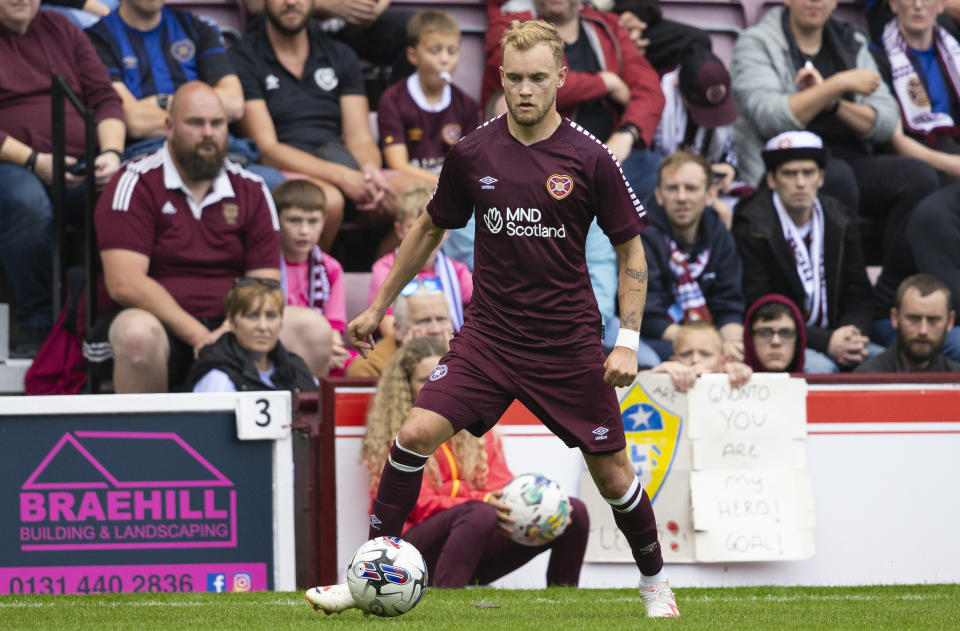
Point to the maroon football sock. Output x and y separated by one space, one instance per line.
398 492
633 514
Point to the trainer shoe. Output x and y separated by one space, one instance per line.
331 598
659 601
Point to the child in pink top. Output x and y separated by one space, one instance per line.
311 277
455 278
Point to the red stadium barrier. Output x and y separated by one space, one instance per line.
343 404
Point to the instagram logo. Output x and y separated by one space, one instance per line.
242 581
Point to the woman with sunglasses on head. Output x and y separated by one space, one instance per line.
250 355
774 336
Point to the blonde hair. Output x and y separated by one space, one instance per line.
430 21
390 407
525 35
679 158
413 202
698 326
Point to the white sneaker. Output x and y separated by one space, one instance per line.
330 598
659 601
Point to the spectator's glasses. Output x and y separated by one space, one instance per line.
427 283
765 334
249 281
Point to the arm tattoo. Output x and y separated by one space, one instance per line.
630 321
639 275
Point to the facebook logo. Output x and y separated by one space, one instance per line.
216 583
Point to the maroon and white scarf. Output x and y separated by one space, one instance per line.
319 290
809 261
691 304
908 87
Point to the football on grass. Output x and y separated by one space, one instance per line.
387 576
539 507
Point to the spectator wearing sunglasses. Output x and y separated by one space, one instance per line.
421 310
250 356
774 338
453 278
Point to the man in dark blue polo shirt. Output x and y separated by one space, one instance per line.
306 108
150 51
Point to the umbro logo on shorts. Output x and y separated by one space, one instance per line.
439 372
375 522
600 433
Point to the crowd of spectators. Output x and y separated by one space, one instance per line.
757 180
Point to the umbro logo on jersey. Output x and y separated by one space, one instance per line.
600 433
488 182
168 209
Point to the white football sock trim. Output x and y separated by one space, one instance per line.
403 467
659 577
618 503
409 451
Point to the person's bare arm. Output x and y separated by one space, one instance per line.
422 239
817 94
145 119
906 146
355 116
258 125
125 275
397 158
621 365
230 91
111 134
732 335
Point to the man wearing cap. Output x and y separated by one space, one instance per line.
698 116
794 242
798 68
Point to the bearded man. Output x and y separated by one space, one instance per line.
922 318
175 229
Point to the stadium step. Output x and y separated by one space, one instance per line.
12 371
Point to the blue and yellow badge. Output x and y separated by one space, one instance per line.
652 435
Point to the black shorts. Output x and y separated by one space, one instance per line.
99 353
475 383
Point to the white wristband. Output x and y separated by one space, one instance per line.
628 338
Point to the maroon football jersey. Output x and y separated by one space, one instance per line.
533 207
427 134
195 253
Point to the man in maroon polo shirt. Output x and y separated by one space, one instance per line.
34 45
175 229
532 331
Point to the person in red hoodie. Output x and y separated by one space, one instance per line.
457 524
774 338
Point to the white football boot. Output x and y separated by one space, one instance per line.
330 598
659 601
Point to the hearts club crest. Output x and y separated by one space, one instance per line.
559 186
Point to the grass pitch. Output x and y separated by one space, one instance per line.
738 609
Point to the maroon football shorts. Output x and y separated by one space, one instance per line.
475 383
